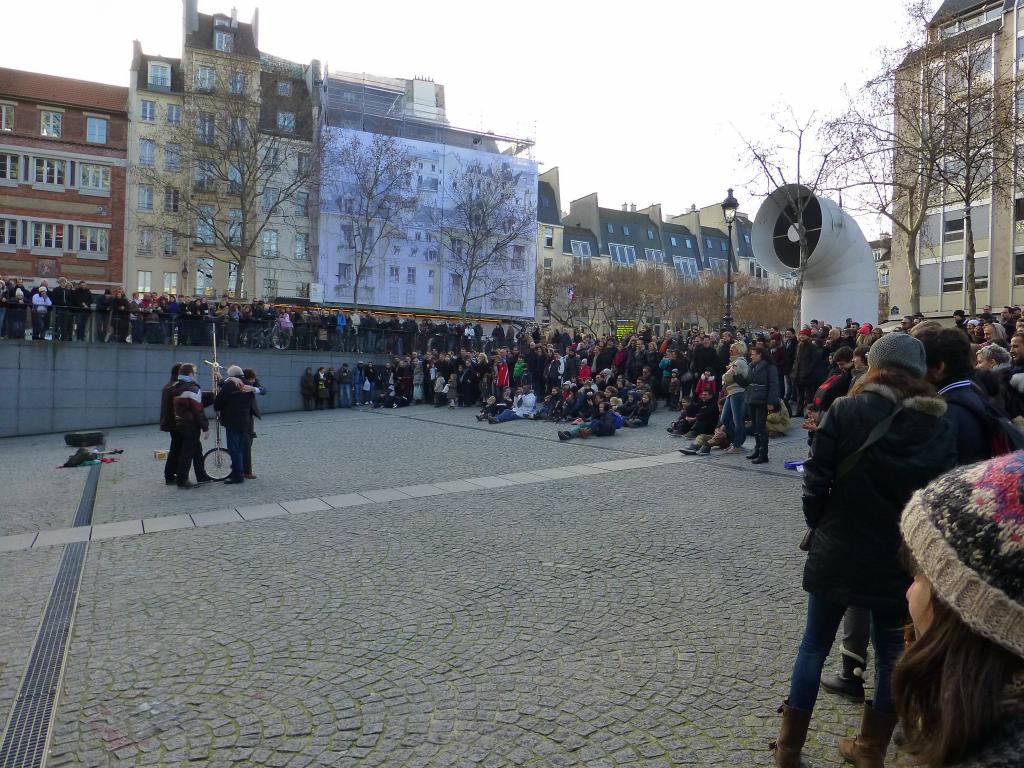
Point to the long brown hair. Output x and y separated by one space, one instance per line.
950 687
905 383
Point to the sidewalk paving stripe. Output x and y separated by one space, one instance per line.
305 505
18 541
169 523
384 494
346 500
420 491
215 517
521 478
489 482
556 473
61 536
453 486
261 511
672 458
586 469
115 530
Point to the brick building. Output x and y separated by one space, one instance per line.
63 164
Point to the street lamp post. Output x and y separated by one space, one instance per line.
729 208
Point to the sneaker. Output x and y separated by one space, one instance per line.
250 476
705 450
563 435
187 484
692 450
732 449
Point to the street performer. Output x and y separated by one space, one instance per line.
234 403
189 420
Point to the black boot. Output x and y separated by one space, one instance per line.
761 450
850 682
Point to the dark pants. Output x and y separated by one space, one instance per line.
759 426
191 452
247 453
307 402
173 454
40 322
236 450
823 619
857 632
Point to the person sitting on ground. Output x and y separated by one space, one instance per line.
494 406
566 398
452 390
703 420
702 446
959 687
547 405
523 407
675 385
778 422
440 391
640 414
687 415
602 425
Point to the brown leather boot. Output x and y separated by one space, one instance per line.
792 735
867 749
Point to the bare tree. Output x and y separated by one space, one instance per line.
800 153
487 223
245 177
372 190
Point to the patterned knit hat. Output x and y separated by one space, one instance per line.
966 530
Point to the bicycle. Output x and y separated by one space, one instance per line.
278 334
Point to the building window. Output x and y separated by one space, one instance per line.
689 243
303 162
204 277
224 41
236 83
746 238
206 78
92 239
883 279
239 131
723 246
9 167
549 237
270 197
623 255
284 88
174 114
708 243
518 263
172 157
393 274
170 282
650 233
145 282
145 197
50 171
6 117
159 76
719 266
147 111
953 283
94 177
625 230
286 121
301 246
302 204
204 225
611 229
147 153
206 128
580 248
95 130
268 244
170 245
171 200
687 268
953 230
8 232
410 297
46 235
410 275
430 281
50 124
672 240
235 226
145 245
655 255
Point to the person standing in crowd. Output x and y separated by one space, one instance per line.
873 449
307 388
41 305
234 403
762 396
344 381
810 369
959 688
167 425
734 383
249 377
189 420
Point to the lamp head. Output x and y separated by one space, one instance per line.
729 207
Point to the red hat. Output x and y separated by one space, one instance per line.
776 337
865 329
805 331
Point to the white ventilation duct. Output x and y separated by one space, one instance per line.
840 280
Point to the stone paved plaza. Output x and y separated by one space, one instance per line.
413 588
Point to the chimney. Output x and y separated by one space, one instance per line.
234 18
625 206
632 207
191 16
256 27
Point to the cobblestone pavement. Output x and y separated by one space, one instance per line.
644 618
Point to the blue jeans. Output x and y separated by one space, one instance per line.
508 415
823 620
732 417
236 450
345 391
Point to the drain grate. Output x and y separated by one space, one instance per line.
28 730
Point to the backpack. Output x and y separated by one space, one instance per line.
1003 435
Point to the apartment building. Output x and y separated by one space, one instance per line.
63 164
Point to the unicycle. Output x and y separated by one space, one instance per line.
217 460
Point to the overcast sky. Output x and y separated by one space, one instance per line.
640 102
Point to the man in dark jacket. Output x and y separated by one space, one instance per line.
762 396
189 419
167 425
234 403
62 298
704 358
810 369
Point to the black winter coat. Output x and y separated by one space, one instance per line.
234 407
763 384
854 558
810 367
963 404
704 359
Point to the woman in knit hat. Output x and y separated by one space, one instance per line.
872 450
959 688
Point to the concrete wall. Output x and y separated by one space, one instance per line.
54 387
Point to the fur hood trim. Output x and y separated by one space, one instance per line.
932 406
